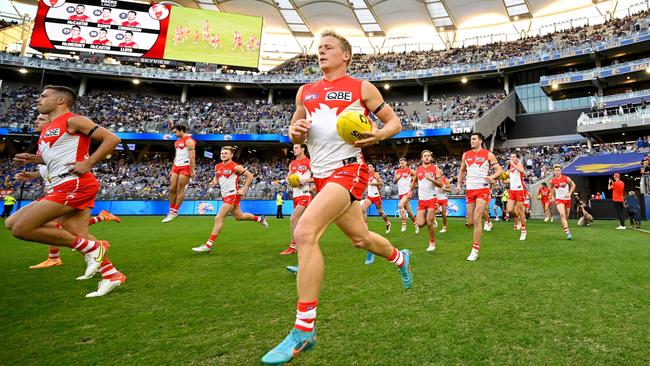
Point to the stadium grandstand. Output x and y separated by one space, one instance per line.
558 92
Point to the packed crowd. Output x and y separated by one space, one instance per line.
7 23
142 113
528 46
149 179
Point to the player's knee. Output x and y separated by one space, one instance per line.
477 220
304 235
9 222
361 241
19 230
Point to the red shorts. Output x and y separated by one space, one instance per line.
301 201
567 203
182 170
232 200
428 204
517 196
527 205
407 195
78 193
545 202
375 200
444 202
473 194
353 177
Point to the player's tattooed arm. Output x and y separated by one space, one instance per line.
26 158
372 99
248 179
107 143
191 146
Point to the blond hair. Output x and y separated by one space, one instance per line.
229 148
345 45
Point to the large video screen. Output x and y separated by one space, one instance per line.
147 30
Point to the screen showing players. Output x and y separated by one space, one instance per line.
213 37
148 30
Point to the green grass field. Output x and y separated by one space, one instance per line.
223 24
546 301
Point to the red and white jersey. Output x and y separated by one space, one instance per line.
324 101
129 44
42 170
440 192
105 21
130 24
79 39
102 41
561 186
182 157
404 180
58 147
478 168
228 178
82 17
373 190
426 189
516 179
544 192
302 169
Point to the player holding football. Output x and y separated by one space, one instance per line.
563 188
64 147
543 194
428 177
301 195
226 175
475 165
403 178
443 201
184 169
340 175
517 194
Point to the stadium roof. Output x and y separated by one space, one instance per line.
381 16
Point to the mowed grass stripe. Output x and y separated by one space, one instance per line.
543 301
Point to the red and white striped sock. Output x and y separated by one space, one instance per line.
257 218
107 269
96 219
566 230
306 315
54 253
523 229
487 219
292 245
397 257
84 245
432 243
476 246
210 241
403 220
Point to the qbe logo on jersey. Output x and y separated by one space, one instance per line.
339 95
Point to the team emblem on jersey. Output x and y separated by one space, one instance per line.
52 132
562 184
479 159
311 96
181 145
339 95
227 172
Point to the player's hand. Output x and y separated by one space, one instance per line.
25 176
241 192
372 137
213 183
24 158
490 180
458 188
298 129
303 181
192 174
79 167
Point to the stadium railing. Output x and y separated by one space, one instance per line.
599 72
283 79
601 120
